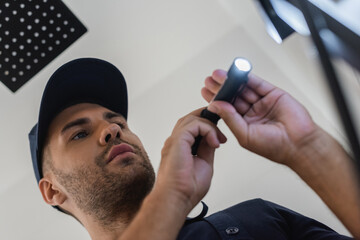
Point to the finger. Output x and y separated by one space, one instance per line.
196 112
232 118
219 76
259 85
206 94
250 95
196 125
188 118
205 129
265 105
212 85
241 105
207 147
246 99
205 152
194 116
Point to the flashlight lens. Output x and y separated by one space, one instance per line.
243 64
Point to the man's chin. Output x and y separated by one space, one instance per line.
113 191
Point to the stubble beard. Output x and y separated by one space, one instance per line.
107 196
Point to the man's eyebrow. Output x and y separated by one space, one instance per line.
74 123
110 115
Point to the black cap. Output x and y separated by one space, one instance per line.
84 80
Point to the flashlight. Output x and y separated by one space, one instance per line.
234 84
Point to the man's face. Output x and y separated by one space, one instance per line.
99 163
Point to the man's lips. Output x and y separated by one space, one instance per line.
119 149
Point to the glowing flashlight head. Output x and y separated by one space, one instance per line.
242 64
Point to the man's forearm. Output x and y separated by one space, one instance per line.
160 217
326 167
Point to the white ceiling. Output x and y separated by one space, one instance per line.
165 49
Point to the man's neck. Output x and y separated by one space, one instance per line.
106 228
110 231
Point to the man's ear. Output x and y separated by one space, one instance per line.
51 193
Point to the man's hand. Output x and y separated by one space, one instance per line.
268 121
180 172
182 181
265 119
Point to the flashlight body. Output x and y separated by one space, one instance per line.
233 85
231 88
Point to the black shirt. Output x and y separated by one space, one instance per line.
256 219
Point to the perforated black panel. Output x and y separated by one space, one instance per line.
32 34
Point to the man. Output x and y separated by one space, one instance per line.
89 164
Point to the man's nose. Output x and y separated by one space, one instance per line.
110 132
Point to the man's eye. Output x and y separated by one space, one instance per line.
80 135
121 125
